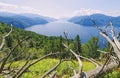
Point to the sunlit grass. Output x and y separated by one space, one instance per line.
65 70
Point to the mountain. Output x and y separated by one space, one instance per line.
81 25
100 20
21 16
36 45
21 21
36 16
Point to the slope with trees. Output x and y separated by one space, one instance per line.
22 48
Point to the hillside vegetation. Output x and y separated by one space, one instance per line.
31 53
38 45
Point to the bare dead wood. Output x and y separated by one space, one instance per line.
2 59
112 43
105 64
106 36
78 75
34 62
98 63
103 52
11 61
6 57
27 61
93 73
99 71
53 74
3 38
52 69
106 68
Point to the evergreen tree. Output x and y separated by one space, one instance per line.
77 44
90 49
60 44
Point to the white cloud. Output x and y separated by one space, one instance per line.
89 11
17 9
5 7
84 11
113 13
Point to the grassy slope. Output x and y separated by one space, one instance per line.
63 70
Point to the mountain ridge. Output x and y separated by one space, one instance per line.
100 20
23 21
55 27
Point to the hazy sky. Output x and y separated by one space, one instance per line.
66 8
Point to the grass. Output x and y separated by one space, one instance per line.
115 74
65 70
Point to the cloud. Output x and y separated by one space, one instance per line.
90 11
4 7
113 13
84 11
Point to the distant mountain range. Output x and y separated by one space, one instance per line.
27 20
100 20
24 20
81 25
31 19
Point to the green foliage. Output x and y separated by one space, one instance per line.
63 71
77 44
115 74
90 49
37 45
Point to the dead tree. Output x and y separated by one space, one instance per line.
112 61
17 71
115 59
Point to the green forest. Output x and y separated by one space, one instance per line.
39 45
36 46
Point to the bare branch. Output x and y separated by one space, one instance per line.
53 74
34 62
3 38
115 45
79 61
106 62
108 65
112 43
6 58
114 37
93 73
52 69
103 52
91 60
28 59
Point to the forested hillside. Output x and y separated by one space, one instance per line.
38 45
25 46
21 21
